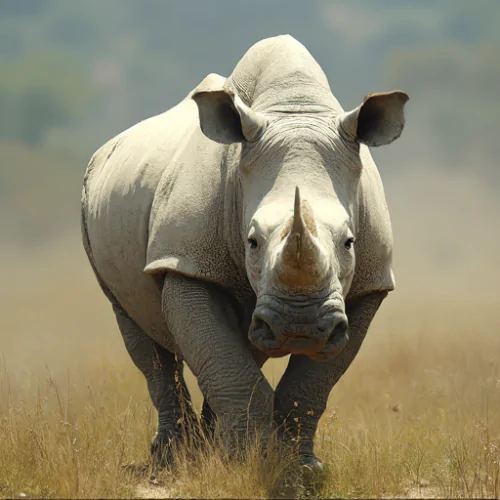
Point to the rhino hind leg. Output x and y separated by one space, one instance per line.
164 375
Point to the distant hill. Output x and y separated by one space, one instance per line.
98 67
74 74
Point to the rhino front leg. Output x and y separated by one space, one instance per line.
303 391
167 389
208 417
203 321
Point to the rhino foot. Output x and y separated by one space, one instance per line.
311 462
314 473
305 481
162 448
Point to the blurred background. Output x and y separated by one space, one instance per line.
74 74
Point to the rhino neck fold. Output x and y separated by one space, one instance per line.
232 230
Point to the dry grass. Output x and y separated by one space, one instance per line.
420 413
416 415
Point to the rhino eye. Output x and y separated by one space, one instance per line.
348 244
252 242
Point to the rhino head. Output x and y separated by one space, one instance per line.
299 173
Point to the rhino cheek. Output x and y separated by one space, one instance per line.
253 275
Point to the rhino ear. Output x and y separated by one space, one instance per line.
224 117
379 120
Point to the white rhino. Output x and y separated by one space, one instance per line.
247 222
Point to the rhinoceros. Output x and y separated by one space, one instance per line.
247 222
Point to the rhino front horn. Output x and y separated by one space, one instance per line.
301 262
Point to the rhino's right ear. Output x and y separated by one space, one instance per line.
224 117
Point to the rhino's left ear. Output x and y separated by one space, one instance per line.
224 117
379 120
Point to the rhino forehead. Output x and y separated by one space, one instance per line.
302 137
299 151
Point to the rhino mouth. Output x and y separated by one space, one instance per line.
320 340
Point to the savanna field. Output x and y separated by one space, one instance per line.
416 415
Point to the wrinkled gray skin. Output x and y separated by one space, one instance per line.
247 222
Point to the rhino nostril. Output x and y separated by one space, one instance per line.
267 332
262 332
339 332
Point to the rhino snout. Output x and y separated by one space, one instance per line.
319 338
